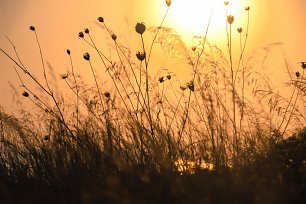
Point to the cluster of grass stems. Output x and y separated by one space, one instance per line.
223 117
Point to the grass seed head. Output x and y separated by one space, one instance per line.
297 74
183 88
25 94
114 37
161 79
64 76
140 28
68 51
247 8
32 28
303 65
86 56
239 30
190 85
86 30
230 19
168 76
101 19
168 2
141 56
81 34
107 94
226 3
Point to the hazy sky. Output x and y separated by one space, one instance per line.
58 23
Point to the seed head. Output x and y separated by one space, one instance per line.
230 19
141 56
226 3
239 30
46 137
64 76
25 94
168 2
183 88
81 34
140 28
193 48
101 19
161 79
86 30
107 94
303 65
297 74
32 28
247 8
190 85
86 56
168 76
114 37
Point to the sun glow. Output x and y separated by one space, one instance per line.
191 17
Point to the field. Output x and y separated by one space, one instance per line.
141 135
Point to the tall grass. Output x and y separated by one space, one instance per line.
223 117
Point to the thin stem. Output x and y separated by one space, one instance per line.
98 89
153 41
147 87
195 71
112 77
77 92
42 62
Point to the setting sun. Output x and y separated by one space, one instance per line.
192 17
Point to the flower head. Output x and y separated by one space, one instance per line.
101 19
141 56
303 65
168 76
183 88
107 94
226 3
140 28
81 34
230 19
32 28
86 30
247 8
68 51
64 76
114 37
86 56
190 85
168 2
25 94
161 79
239 30
297 74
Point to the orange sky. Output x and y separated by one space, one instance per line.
58 23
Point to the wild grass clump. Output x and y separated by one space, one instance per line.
150 137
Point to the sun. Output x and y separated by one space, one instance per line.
191 17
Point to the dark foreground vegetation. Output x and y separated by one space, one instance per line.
84 174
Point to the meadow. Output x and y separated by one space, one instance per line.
135 135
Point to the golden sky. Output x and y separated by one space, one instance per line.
58 23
